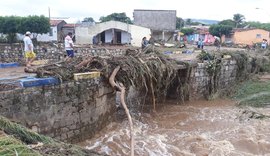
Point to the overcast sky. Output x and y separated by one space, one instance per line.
199 9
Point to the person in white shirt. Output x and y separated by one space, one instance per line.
69 45
29 49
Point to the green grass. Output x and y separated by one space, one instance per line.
253 93
251 87
23 134
16 137
260 101
10 146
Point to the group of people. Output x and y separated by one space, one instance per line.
30 55
200 44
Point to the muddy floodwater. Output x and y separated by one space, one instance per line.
200 128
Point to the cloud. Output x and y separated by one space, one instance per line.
207 9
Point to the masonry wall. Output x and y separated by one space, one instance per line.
70 112
14 52
200 79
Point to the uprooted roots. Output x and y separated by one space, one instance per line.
152 73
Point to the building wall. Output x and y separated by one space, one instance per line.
155 19
108 36
125 37
158 35
60 35
250 36
66 30
137 33
72 111
84 35
47 37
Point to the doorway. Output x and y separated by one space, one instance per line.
118 37
102 37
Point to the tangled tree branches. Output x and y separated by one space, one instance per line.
152 72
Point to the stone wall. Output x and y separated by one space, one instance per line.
200 79
69 112
14 52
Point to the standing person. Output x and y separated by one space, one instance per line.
69 45
264 44
30 56
217 43
202 43
199 44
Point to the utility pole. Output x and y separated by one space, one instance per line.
49 13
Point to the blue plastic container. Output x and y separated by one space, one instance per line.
168 52
34 82
9 65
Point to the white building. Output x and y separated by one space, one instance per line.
55 34
112 32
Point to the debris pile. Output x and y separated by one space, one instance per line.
151 71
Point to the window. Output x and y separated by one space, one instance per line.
51 32
259 36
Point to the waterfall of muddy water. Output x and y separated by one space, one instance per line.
200 128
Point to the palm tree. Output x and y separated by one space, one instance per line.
238 19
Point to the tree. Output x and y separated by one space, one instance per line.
265 26
219 30
238 19
179 23
122 17
228 22
10 25
35 24
187 31
188 21
88 19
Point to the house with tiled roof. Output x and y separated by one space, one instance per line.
55 34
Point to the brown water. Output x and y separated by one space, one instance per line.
214 128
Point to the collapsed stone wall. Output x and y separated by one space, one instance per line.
15 52
70 112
